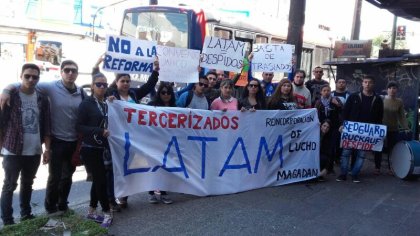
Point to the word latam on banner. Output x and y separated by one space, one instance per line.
129 55
223 54
178 64
363 136
204 152
272 57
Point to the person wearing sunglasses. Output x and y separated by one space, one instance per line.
165 97
195 98
65 98
314 85
267 84
92 124
24 126
252 97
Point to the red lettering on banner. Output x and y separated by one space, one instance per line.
163 125
141 117
216 123
198 118
356 145
181 120
207 123
129 111
235 124
225 125
172 122
152 118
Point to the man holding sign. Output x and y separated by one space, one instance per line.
367 107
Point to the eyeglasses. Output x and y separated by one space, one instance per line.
101 85
34 77
68 70
125 81
165 93
253 85
203 85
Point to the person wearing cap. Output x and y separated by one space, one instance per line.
394 118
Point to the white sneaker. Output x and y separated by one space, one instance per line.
107 220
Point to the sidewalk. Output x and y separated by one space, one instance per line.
380 205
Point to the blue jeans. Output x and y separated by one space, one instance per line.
345 156
26 167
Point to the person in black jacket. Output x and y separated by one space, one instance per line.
92 124
365 106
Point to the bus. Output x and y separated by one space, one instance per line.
186 28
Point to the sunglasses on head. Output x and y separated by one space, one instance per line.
203 85
68 70
34 77
165 93
253 85
101 85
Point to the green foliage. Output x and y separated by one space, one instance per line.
378 40
74 223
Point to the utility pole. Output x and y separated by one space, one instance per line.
394 32
355 30
295 31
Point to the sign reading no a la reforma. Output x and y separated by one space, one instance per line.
272 57
204 152
363 136
223 54
129 55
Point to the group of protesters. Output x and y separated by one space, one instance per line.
59 113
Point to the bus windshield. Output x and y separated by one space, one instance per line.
166 28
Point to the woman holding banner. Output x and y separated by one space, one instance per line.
253 97
92 124
226 101
165 97
283 98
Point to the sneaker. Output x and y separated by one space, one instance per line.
355 179
166 199
320 179
95 217
122 202
153 199
341 178
107 220
114 207
27 217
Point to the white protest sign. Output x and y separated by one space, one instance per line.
204 152
363 136
223 54
272 57
178 64
129 55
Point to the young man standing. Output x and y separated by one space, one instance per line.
267 84
195 98
314 85
24 126
367 107
302 94
65 98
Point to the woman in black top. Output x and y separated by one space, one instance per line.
92 124
283 98
253 97
165 97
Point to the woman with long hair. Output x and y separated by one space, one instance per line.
252 97
283 98
92 124
226 101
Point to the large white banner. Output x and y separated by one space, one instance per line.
203 152
223 54
363 136
178 64
129 55
272 57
